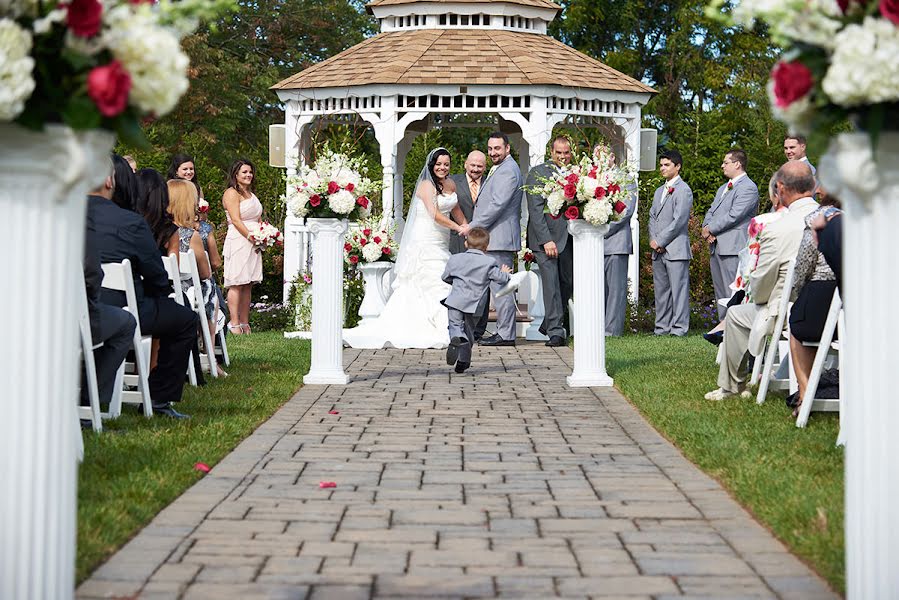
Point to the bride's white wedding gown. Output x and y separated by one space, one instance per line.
414 316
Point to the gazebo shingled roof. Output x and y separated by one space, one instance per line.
462 56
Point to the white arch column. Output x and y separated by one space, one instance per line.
631 128
298 141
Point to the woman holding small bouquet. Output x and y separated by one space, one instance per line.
243 264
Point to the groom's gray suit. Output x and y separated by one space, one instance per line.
619 244
498 210
728 220
556 274
668 226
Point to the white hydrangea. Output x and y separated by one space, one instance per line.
597 212
298 203
151 55
345 176
590 184
863 68
371 252
16 65
810 21
555 201
342 202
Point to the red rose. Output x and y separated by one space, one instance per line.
620 207
350 187
570 191
592 173
377 239
333 187
890 10
599 193
385 250
572 213
572 179
362 201
363 241
347 247
354 259
84 18
793 80
528 257
315 199
108 86
554 216
614 188
366 232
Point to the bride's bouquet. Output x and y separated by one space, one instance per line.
265 235
593 189
335 187
371 243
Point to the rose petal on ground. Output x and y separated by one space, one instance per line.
327 484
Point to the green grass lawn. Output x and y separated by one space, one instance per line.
791 479
137 466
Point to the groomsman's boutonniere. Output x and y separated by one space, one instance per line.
670 189
730 185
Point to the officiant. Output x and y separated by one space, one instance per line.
468 184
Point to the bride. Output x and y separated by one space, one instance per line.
414 316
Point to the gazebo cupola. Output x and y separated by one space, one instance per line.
435 61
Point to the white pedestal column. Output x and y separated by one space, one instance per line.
44 180
870 195
589 306
374 300
326 366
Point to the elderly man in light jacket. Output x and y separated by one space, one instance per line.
746 325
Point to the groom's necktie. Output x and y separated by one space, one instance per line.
473 187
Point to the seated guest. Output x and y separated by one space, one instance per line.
814 283
183 208
829 231
125 193
121 234
153 205
110 325
746 325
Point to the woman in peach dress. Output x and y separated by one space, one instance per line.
243 261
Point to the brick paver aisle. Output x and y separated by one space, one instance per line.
501 482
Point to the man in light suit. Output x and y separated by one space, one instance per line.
725 225
498 210
670 243
747 325
794 149
468 185
618 247
548 239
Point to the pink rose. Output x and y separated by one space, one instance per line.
315 199
84 17
792 81
890 10
570 191
572 213
108 86
333 188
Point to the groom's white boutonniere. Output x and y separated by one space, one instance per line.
490 172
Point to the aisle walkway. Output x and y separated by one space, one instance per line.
501 482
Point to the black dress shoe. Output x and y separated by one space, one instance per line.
461 366
496 340
555 341
452 351
170 412
714 338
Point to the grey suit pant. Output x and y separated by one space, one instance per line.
737 327
724 271
461 325
616 293
557 282
671 280
504 305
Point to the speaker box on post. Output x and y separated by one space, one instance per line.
649 141
276 142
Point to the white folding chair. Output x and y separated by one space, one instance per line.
841 347
92 411
826 347
170 263
117 276
774 341
188 266
220 331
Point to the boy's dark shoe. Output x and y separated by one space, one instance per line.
461 366
452 351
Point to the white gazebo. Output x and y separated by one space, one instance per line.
436 63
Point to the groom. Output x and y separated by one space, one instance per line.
498 210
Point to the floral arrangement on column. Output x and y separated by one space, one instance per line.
839 60
335 187
93 64
370 243
594 189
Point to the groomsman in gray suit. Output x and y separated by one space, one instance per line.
619 244
549 241
498 210
468 184
794 149
670 242
725 225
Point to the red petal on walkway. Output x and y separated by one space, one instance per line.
333 412
327 484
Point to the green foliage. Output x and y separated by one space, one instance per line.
353 293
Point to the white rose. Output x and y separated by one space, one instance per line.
863 69
312 179
16 65
555 201
342 202
590 184
345 176
371 252
298 205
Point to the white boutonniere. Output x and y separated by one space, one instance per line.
490 172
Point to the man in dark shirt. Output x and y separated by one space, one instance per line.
121 234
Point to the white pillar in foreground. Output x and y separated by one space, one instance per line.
326 366
589 306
